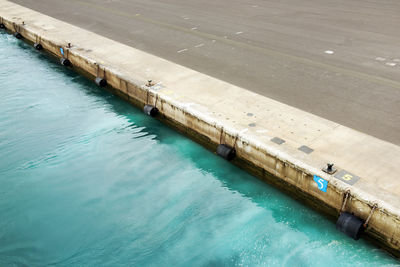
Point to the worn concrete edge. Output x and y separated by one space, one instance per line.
281 158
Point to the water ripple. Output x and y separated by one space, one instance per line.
88 180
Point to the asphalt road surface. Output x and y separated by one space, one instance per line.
338 59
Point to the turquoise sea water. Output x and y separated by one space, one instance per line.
88 180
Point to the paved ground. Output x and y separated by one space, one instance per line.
339 59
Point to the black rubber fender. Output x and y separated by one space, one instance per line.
100 82
226 152
17 35
150 110
65 62
351 225
37 46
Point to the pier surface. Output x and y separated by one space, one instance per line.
337 59
268 135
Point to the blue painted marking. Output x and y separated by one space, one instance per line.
322 183
62 51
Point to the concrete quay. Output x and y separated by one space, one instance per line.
269 137
344 54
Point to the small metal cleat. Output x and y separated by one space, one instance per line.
329 168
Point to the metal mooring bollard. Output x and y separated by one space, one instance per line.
329 168
149 83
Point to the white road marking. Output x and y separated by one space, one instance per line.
183 50
329 52
138 14
199 45
391 64
396 60
380 58
213 41
238 32
194 28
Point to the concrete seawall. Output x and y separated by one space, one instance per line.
269 137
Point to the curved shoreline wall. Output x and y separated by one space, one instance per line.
267 135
